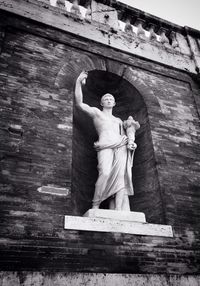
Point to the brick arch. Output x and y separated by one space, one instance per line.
134 78
73 65
129 102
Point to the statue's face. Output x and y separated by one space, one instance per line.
108 100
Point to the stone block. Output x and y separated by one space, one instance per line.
114 225
117 215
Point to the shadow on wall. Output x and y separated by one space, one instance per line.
84 170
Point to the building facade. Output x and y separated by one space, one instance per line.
48 164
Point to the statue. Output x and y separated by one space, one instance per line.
115 149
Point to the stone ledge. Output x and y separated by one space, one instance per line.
41 278
113 225
117 215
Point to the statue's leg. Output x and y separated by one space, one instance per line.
126 203
105 159
121 158
112 203
119 197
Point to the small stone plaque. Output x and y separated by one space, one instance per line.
57 191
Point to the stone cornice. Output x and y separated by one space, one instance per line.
166 43
124 9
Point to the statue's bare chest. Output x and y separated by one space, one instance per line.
107 124
105 120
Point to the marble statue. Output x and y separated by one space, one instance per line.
115 148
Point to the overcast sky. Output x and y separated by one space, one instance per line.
181 12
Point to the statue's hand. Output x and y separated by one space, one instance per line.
82 77
131 146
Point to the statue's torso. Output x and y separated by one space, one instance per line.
109 128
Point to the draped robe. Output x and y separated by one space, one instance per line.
120 174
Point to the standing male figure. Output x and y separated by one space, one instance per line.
113 153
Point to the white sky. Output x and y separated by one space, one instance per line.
181 12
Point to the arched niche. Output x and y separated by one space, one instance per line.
84 169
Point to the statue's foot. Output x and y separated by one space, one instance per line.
95 207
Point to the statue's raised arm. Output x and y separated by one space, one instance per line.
81 80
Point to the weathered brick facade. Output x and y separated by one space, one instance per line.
46 141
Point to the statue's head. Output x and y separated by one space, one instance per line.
108 100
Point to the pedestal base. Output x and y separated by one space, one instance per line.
117 222
117 215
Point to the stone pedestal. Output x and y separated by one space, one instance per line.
116 221
116 215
